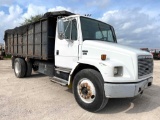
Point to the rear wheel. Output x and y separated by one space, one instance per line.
29 69
88 88
19 67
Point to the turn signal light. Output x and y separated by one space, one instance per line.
103 57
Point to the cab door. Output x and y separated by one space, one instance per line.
66 49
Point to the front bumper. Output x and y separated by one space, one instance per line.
124 90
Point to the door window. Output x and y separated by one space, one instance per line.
70 28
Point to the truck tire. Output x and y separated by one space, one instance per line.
88 89
29 69
19 68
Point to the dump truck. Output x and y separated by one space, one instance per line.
82 53
155 53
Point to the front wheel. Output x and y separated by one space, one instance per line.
88 88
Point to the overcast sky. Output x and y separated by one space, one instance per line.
136 22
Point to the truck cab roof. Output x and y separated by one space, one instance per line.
58 13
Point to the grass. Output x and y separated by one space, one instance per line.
6 57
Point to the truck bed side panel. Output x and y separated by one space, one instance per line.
36 40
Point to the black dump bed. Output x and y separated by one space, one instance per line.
35 40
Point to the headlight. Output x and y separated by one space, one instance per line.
118 71
115 71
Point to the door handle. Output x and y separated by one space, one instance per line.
57 52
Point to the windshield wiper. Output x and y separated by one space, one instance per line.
100 30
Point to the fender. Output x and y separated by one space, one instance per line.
104 67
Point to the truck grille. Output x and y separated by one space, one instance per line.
145 65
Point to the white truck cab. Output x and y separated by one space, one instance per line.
125 71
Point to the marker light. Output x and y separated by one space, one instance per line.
103 57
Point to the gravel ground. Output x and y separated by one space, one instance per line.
37 98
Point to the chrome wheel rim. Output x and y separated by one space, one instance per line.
86 90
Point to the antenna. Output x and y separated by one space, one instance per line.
88 15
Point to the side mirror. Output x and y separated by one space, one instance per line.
60 29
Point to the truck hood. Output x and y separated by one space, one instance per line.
117 55
114 47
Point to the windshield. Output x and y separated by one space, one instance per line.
96 30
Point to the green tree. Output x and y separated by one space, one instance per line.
32 19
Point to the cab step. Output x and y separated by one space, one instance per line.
59 81
65 70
